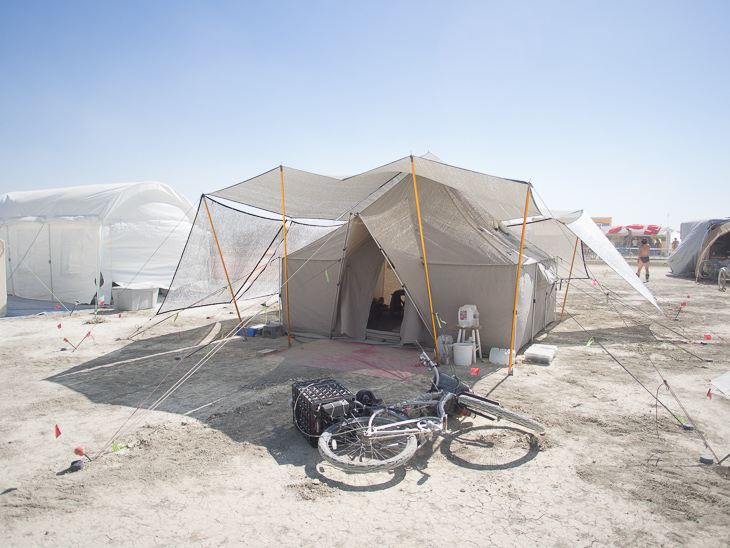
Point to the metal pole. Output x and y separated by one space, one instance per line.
425 262
240 321
517 284
286 265
569 275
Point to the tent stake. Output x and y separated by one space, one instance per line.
517 284
240 321
286 265
569 275
425 262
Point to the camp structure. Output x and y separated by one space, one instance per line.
704 249
72 244
390 254
351 242
350 283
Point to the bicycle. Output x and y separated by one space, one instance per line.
709 269
374 437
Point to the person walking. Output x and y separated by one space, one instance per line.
644 250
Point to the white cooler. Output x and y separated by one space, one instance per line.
135 297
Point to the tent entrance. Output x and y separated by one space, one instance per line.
387 306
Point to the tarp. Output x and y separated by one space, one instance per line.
62 242
585 228
502 198
697 238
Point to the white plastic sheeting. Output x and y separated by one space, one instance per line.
585 228
59 241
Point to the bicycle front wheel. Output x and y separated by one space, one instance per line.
472 403
346 446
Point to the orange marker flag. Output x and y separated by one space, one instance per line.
58 431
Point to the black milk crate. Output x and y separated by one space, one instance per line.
316 404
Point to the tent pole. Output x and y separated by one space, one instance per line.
517 284
569 275
50 258
339 278
286 265
240 321
425 262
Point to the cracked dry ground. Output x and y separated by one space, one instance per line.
614 470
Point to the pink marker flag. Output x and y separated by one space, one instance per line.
708 337
684 303
58 431
57 307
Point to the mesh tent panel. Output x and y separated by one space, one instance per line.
200 278
266 280
502 198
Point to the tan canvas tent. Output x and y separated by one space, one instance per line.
472 258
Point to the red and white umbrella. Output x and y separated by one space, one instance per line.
635 230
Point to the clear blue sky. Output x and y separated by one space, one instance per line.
620 108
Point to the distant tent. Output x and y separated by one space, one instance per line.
706 240
76 242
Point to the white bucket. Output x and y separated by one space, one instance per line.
463 353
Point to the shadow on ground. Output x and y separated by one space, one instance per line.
228 386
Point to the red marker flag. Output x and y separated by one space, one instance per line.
57 307
474 370
58 431
709 393
59 326
684 303
708 337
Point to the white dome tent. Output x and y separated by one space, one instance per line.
72 244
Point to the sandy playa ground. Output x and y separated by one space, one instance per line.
220 463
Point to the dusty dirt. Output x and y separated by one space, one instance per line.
219 461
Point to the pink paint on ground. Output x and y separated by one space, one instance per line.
363 359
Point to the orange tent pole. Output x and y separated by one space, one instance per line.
517 285
569 275
286 265
425 262
240 321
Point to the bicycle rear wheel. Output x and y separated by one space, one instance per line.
346 446
472 403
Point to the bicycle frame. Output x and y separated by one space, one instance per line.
424 427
